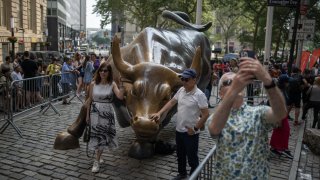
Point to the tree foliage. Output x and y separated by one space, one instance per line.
244 20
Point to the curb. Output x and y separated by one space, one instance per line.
297 153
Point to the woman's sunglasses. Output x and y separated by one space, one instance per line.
226 82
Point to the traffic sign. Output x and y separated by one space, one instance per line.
305 29
285 3
302 36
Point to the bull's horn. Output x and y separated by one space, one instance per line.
196 61
123 67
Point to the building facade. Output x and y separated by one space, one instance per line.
29 27
66 24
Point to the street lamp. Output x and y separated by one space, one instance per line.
12 34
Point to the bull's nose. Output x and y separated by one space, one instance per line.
141 122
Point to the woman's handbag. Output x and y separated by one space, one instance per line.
86 134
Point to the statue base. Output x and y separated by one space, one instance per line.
141 150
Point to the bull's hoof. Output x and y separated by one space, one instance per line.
65 141
141 150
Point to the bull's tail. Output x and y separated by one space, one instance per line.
183 19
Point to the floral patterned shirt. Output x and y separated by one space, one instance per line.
242 147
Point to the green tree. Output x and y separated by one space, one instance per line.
100 40
147 13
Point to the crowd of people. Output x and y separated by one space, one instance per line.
32 79
241 128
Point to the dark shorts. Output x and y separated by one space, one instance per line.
65 88
294 99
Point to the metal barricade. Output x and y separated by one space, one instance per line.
30 93
255 94
62 86
6 109
205 168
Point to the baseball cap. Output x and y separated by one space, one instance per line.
188 73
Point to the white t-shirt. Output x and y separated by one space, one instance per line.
189 105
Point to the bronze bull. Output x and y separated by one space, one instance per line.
148 69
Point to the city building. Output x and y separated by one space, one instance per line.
26 19
66 24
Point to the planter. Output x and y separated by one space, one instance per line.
12 39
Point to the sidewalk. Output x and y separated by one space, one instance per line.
309 164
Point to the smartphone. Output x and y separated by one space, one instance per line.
248 53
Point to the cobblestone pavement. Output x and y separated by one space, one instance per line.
309 164
33 156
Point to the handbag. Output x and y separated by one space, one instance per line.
86 134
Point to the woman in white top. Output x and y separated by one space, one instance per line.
100 115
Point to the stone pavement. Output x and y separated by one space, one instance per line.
309 164
33 156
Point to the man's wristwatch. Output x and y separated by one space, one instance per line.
272 85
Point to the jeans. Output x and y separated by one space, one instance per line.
187 146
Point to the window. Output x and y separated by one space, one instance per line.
5 6
5 50
1 13
48 11
20 13
41 19
29 14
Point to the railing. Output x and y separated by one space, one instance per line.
204 170
254 93
22 96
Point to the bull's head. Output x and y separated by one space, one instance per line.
150 87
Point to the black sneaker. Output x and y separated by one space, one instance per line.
275 152
180 177
287 154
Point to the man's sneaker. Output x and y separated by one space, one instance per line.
180 177
275 152
287 154
95 167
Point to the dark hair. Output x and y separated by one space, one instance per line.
307 71
32 56
7 58
5 68
53 60
97 77
295 70
86 61
26 54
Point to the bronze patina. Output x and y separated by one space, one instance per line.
148 69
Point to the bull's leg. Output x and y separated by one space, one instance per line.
141 149
70 139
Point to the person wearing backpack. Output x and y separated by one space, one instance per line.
294 94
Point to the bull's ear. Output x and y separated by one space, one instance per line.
196 61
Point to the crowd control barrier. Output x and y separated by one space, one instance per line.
23 96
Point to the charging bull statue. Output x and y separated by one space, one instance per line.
148 69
